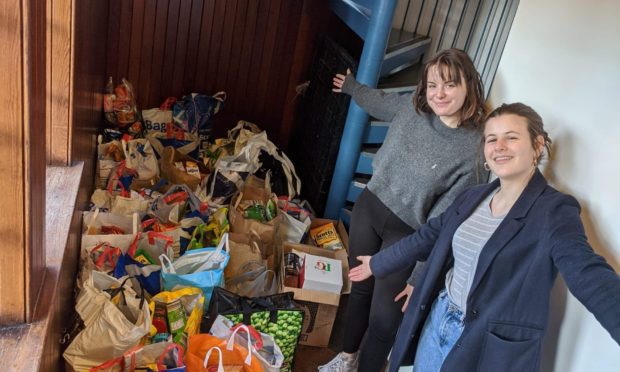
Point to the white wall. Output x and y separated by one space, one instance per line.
562 58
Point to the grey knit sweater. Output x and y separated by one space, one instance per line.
423 165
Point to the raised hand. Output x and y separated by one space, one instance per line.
338 81
362 271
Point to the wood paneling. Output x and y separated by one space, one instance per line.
91 34
22 159
59 79
244 47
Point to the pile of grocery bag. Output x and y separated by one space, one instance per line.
181 248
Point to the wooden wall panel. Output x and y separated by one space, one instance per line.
59 55
244 47
92 40
22 158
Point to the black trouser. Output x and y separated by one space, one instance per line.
371 309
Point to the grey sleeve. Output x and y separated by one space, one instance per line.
375 102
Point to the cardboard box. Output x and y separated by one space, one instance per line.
320 306
321 274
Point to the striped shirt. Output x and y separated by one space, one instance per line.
467 243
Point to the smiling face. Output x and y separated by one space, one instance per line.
508 147
445 97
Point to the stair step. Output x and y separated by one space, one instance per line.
403 81
357 186
404 49
364 163
375 132
356 15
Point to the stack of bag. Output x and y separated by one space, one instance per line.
179 249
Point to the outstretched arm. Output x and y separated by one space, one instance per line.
375 102
587 275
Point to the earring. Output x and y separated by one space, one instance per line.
486 166
535 162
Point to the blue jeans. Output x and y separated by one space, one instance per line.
442 329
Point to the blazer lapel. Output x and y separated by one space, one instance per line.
509 227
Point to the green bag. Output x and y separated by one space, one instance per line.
277 315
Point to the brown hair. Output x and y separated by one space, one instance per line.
534 123
454 64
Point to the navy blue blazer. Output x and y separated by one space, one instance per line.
508 304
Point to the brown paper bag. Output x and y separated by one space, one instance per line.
255 189
243 248
176 176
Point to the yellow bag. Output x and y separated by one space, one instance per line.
192 300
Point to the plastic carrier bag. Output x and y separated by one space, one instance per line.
277 315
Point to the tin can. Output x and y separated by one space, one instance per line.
176 316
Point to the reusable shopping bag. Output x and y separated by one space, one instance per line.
232 355
161 356
115 319
158 119
277 315
109 155
140 260
140 156
194 113
264 347
264 156
200 268
177 203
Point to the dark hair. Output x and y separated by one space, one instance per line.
454 64
534 123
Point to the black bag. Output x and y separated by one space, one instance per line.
277 315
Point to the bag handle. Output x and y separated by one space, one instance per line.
220 364
109 253
252 333
166 264
218 250
134 245
179 362
92 220
231 342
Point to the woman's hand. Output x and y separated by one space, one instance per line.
407 291
361 272
338 81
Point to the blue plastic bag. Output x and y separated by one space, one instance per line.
201 268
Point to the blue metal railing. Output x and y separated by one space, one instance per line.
375 44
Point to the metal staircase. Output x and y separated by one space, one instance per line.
388 54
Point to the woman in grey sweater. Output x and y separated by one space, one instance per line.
428 157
